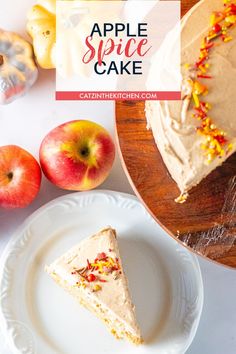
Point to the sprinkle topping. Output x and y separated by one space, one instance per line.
216 143
93 271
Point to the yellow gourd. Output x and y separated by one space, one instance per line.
41 26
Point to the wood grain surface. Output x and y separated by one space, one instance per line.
206 223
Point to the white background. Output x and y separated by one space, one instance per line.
25 123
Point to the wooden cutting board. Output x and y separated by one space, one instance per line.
206 223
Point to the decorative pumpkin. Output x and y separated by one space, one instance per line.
18 71
41 26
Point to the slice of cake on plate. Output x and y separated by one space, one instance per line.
198 133
92 272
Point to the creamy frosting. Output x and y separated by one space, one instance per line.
114 296
173 126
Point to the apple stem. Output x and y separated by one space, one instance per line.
10 176
85 151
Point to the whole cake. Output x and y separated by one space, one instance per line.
198 133
92 272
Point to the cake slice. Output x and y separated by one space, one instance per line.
198 133
92 272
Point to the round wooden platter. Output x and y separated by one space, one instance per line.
206 223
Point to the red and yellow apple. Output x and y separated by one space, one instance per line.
77 155
20 177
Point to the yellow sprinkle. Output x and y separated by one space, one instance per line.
212 145
230 147
202 68
222 152
212 36
97 287
213 19
182 198
203 54
228 39
209 158
187 66
196 100
208 106
218 147
231 19
199 88
112 261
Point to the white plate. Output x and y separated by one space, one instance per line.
37 316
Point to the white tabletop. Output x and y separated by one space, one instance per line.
25 123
